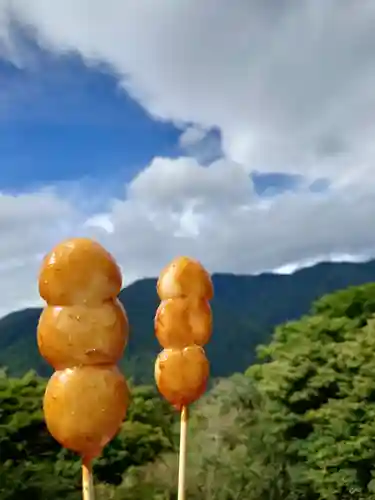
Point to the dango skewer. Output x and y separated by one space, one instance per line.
82 334
183 325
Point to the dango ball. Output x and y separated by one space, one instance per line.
85 406
79 335
183 321
79 271
184 277
181 375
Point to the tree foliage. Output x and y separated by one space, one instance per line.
299 425
318 388
34 465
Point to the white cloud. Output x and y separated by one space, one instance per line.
173 183
213 215
202 144
191 136
29 225
288 84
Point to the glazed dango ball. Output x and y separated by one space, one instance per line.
84 407
183 321
185 277
183 324
82 333
79 271
181 375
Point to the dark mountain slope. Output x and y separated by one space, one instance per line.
246 308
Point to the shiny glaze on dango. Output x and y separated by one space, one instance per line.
181 375
85 406
183 321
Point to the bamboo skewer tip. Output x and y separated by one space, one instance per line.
87 480
182 455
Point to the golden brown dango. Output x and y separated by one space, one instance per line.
184 277
183 324
183 321
181 375
85 406
79 271
80 335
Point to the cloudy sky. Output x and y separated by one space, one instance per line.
239 132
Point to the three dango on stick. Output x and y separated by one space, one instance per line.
82 333
183 325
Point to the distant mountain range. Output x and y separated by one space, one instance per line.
246 309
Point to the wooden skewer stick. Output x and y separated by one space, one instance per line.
182 457
87 480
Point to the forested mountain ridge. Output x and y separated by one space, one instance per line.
297 426
246 309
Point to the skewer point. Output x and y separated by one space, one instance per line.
182 456
87 480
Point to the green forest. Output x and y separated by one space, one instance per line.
299 424
246 310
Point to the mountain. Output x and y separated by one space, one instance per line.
245 308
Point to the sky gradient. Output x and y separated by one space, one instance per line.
248 145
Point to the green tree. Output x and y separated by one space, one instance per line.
318 389
34 465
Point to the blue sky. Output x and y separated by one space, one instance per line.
62 121
275 107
